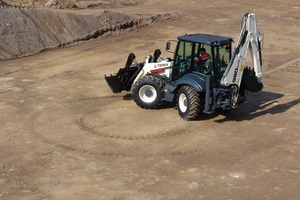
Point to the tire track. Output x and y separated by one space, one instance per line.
34 82
46 78
280 67
115 155
138 140
276 78
290 67
80 122
277 86
82 125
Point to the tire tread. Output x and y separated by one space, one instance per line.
194 108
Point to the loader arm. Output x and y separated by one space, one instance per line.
250 39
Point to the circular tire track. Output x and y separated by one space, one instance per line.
82 123
89 134
91 129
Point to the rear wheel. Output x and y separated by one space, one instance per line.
188 103
147 92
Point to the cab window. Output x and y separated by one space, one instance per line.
182 62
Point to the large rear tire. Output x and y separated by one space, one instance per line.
147 92
188 103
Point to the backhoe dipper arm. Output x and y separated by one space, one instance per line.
250 38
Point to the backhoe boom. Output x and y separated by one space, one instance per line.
250 39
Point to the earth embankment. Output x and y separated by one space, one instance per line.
27 31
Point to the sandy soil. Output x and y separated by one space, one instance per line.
64 135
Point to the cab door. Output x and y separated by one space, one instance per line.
183 59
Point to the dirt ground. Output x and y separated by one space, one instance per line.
65 135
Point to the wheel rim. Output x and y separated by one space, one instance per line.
147 93
182 102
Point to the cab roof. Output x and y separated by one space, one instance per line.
207 39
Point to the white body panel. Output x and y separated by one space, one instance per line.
249 39
165 65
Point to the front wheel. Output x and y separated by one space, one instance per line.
147 92
188 103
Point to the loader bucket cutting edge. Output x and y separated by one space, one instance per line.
114 83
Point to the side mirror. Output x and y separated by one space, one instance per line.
171 48
168 46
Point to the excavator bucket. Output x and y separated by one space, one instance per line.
125 76
250 81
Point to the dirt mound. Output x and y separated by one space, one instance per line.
2 3
106 4
26 31
73 4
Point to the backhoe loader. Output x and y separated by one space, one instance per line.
221 81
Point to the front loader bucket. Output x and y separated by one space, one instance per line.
250 81
125 76
123 79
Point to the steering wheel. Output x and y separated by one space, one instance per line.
204 66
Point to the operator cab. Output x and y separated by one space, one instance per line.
189 47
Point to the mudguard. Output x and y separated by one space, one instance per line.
194 79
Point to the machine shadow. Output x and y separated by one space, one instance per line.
258 104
